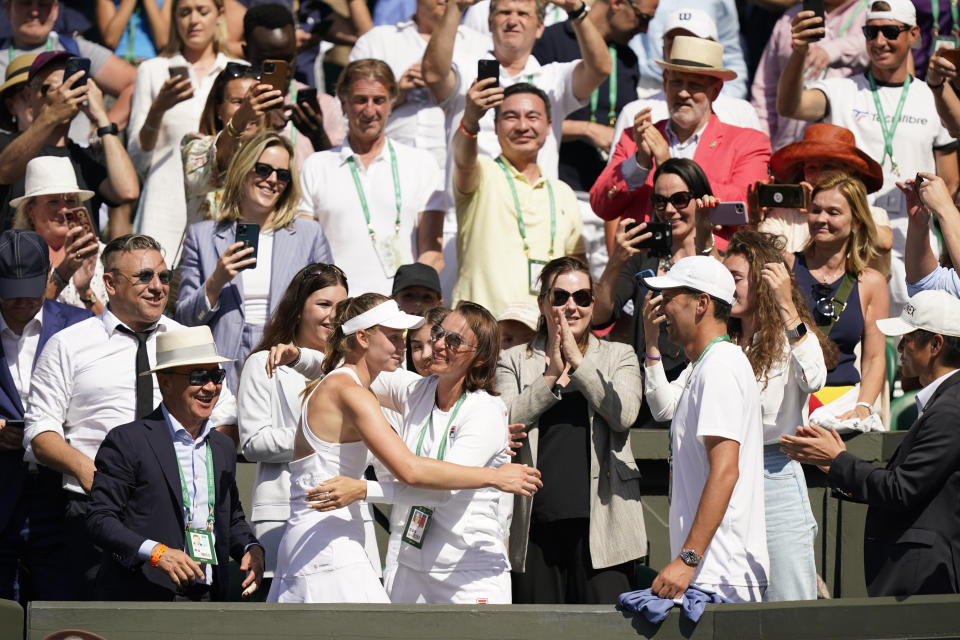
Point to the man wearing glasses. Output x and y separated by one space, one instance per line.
164 505
86 382
892 116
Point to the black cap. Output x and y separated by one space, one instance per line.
24 264
416 275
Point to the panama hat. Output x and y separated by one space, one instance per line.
18 71
189 345
826 142
697 55
47 175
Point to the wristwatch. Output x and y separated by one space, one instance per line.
110 129
797 332
578 15
690 557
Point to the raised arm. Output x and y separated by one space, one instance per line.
595 63
793 101
480 98
932 195
121 184
437 65
941 74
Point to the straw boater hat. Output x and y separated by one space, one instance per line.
18 71
190 345
47 175
826 142
696 55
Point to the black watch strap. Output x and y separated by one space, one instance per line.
110 129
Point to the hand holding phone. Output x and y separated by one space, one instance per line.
729 214
489 69
249 235
274 73
72 66
661 239
308 96
790 196
818 9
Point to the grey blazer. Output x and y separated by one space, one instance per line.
609 378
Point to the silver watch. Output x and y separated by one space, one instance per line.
690 557
797 332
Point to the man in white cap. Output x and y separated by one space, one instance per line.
892 116
163 537
717 525
913 526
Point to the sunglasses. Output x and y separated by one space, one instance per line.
200 377
146 276
240 70
889 31
264 170
825 305
454 340
582 297
643 18
679 200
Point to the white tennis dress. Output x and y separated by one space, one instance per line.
321 556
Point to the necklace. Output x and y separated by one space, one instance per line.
832 276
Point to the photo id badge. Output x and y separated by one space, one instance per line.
534 267
416 528
944 42
389 254
200 546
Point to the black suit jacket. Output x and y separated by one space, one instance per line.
912 532
136 495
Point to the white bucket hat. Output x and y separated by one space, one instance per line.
933 311
700 273
697 55
47 175
190 345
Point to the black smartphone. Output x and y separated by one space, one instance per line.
729 214
640 275
179 72
791 196
817 7
917 181
249 235
274 73
661 240
489 69
308 96
74 65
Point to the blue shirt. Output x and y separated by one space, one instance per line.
940 278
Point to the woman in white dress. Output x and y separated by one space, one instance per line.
321 556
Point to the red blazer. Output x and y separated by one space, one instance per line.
732 157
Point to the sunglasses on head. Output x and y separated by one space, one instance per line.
582 297
240 70
679 200
264 170
200 377
454 340
889 31
146 276
825 305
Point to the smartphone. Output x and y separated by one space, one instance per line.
79 217
730 214
274 73
77 64
17 424
489 69
249 235
640 275
953 55
308 95
179 72
660 241
781 195
817 7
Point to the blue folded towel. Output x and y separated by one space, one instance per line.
655 608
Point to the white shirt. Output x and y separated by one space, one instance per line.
330 197
923 396
788 385
84 385
418 121
717 397
256 283
20 350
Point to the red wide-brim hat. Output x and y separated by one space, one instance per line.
826 142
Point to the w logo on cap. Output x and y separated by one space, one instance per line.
684 16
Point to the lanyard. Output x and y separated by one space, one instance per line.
889 131
724 338
516 205
446 432
935 13
131 34
846 25
363 197
612 95
46 47
211 490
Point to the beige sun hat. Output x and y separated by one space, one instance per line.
47 175
697 55
190 345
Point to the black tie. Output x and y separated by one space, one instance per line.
144 383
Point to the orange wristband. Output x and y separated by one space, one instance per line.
467 133
155 556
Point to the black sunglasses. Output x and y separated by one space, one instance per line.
264 170
146 276
241 70
200 377
679 200
889 31
582 297
644 18
825 306
454 340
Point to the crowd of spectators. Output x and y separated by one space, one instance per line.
621 239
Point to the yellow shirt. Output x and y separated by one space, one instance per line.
493 269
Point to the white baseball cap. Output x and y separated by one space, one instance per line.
900 10
522 312
700 273
697 22
934 311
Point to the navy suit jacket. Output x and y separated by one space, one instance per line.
136 496
13 470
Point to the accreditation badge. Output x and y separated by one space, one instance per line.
944 42
200 546
416 528
534 268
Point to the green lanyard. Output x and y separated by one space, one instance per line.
47 47
446 432
363 196
516 204
889 131
935 13
724 338
846 25
131 34
211 491
612 95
